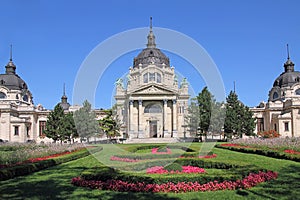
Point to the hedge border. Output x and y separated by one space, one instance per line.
262 152
151 146
235 172
28 168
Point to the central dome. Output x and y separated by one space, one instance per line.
151 55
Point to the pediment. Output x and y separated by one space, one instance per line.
153 89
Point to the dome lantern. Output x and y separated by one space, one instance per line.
288 65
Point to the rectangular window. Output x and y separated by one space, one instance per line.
146 78
27 131
158 78
16 130
260 124
286 126
42 127
151 77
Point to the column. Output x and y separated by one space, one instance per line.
131 129
174 115
165 131
140 128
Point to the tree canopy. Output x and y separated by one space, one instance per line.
109 125
60 126
85 121
238 120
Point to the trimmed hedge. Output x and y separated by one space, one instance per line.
28 168
151 146
263 152
233 172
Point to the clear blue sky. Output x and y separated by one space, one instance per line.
51 38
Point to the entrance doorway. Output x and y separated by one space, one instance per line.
153 129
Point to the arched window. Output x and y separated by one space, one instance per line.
275 95
2 95
297 92
25 98
152 77
153 108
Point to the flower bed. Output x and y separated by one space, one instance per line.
12 153
123 186
264 148
149 147
185 170
272 143
32 160
290 151
26 168
157 151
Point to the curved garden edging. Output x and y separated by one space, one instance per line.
263 152
28 168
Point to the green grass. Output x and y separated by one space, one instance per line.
54 183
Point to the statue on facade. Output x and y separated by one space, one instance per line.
119 83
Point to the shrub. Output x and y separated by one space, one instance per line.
269 134
173 167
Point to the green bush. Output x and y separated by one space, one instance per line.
173 167
234 171
162 149
136 148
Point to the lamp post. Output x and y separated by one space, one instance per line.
184 130
123 130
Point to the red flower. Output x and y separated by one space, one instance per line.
118 185
290 151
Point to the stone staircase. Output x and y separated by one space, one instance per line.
151 140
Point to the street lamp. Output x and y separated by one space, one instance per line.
184 132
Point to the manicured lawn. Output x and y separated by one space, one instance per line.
54 183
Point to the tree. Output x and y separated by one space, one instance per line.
248 122
238 120
193 117
205 105
109 125
68 127
54 124
217 117
85 121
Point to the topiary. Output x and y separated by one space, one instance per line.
162 149
173 167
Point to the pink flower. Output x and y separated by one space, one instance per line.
185 170
122 186
155 151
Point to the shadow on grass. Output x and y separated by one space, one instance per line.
286 186
137 196
55 183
